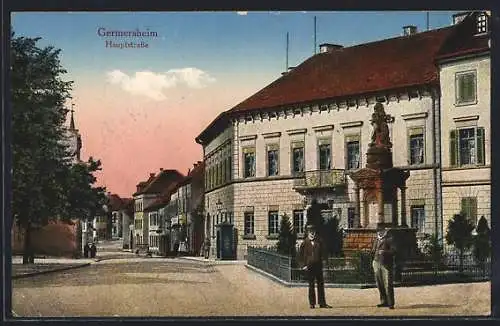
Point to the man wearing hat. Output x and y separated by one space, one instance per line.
383 263
311 260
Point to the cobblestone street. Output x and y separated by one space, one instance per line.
177 287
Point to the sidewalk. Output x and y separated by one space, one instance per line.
214 261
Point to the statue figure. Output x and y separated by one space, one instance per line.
380 134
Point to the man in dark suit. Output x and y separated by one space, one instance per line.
311 260
383 262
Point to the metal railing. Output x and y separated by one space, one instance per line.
357 269
321 178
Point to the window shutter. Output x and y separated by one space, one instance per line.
480 146
453 148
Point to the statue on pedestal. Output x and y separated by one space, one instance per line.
380 134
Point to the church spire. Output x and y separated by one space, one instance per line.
72 122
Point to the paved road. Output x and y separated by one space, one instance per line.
175 287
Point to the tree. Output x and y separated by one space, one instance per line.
314 217
287 238
44 181
332 237
481 243
459 234
433 249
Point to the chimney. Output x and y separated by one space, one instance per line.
409 30
161 169
328 47
457 18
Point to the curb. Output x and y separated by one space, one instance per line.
50 271
303 284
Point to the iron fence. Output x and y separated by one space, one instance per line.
357 269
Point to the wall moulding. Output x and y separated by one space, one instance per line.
323 128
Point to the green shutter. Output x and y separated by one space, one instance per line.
480 146
453 148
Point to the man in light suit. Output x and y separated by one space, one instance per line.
383 262
311 260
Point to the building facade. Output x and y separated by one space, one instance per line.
147 193
465 75
288 144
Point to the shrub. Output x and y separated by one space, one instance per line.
459 234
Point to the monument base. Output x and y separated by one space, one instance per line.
362 239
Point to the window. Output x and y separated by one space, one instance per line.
249 223
418 218
249 162
416 147
273 223
298 221
352 154
272 161
298 159
228 167
467 146
465 87
324 156
482 23
469 208
350 217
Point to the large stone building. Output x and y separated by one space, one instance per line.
300 137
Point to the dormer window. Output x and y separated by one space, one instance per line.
482 23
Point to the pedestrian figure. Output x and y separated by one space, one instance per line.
86 250
93 250
383 262
311 260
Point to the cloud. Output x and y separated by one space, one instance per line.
152 85
242 13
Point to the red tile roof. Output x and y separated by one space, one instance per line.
157 184
115 202
457 45
394 63
389 64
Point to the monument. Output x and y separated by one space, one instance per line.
376 188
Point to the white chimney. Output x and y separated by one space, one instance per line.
409 30
327 47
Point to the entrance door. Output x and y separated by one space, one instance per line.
218 243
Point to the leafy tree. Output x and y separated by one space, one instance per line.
482 242
433 249
314 216
287 238
41 160
459 234
332 237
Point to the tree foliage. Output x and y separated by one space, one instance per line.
287 238
482 242
332 237
45 184
459 234
433 249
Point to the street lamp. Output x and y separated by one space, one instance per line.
218 206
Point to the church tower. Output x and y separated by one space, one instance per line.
75 139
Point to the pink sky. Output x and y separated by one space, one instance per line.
134 136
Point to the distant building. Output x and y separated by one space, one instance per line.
147 192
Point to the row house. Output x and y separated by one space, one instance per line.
147 192
184 212
300 137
